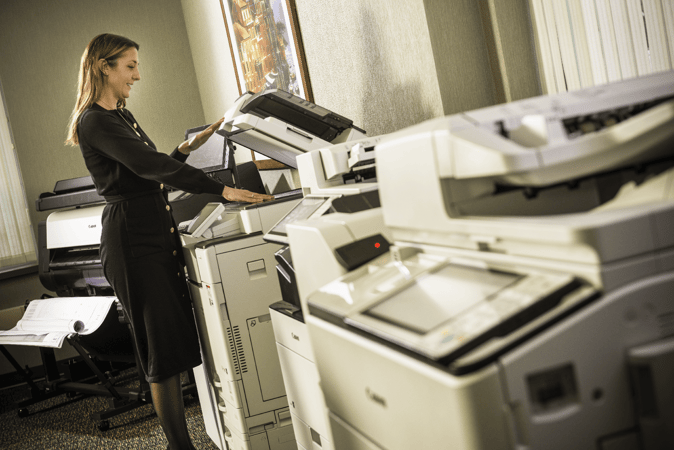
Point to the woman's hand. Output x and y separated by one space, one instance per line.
197 141
242 195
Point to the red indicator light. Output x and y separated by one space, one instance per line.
376 245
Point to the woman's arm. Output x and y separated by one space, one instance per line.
106 134
197 141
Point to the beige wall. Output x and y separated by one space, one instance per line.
388 65
371 61
510 28
461 53
208 40
212 60
17 290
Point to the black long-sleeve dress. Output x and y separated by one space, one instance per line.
140 247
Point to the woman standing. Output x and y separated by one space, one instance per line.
140 247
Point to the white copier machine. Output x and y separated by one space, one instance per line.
340 194
527 300
232 283
233 280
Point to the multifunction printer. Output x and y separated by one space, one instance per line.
232 274
527 298
340 193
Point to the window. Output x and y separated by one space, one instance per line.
17 244
246 16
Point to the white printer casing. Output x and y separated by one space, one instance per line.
328 176
527 300
232 282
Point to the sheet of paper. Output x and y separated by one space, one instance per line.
48 322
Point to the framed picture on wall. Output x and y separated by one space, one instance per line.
266 46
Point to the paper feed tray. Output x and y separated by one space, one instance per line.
274 139
319 121
542 141
69 193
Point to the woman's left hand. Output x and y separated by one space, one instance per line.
197 141
244 195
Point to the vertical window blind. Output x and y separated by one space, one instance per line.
17 244
583 43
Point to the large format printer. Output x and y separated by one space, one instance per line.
233 280
69 264
340 192
527 298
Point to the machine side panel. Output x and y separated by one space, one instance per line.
271 378
292 334
251 285
575 375
208 406
384 394
304 392
349 437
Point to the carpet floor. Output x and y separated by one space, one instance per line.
66 423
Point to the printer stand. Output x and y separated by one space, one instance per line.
25 374
77 380
120 400
91 374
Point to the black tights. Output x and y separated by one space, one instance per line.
167 398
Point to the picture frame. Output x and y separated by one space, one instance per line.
266 46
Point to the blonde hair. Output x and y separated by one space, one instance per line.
108 47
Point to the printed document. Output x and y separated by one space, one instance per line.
48 322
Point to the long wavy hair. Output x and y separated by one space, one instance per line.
108 47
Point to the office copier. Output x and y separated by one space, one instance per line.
526 301
340 193
233 279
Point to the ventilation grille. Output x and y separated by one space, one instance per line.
236 347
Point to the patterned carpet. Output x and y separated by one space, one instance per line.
66 423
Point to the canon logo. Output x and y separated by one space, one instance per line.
375 397
91 226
